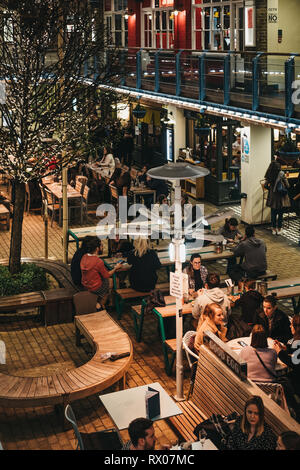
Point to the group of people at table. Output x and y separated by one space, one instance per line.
212 308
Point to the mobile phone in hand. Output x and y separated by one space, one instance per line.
242 343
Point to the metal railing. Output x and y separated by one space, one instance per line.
255 82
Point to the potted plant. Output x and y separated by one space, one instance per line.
288 149
139 112
202 126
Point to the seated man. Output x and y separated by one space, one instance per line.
274 320
254 252
211 294
142 435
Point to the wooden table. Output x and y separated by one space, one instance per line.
142 191
126 405
56 190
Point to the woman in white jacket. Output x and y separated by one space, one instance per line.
211 294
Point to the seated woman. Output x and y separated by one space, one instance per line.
121 179
230 231
75 263
261 360
144 264
250 431
94 273
197 274
213 320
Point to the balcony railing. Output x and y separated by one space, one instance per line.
258 83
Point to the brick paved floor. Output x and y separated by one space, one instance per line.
36 350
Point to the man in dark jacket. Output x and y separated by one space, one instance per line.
254 252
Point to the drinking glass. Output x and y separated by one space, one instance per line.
202 437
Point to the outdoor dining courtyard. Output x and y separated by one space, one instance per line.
33 349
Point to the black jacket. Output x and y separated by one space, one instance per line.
250 303
142 274
280 330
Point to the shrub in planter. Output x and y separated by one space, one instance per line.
288 149
202 126
30 278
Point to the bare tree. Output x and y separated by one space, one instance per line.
53 57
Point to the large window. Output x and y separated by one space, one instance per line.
117 23
158 25
218 25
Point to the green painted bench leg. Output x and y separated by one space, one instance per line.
140 329
119 306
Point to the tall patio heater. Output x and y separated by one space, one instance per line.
175 172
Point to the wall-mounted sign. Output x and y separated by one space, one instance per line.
245 145
225 354
250 30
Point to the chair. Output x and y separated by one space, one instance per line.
80 182
189 335
85 197
108 439
51 204
114 195
84 302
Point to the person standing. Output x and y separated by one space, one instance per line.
278 199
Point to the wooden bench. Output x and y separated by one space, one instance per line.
105 335
217 389
4 216
55 305
22 301
269 276
123 295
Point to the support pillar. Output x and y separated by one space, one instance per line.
179 129
254 164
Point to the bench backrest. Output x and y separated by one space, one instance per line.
218 389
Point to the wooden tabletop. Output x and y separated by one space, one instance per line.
56 189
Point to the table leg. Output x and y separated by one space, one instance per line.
81 211
59 214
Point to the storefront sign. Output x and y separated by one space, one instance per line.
224 353
250 32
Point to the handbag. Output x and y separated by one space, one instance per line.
280 188
218 429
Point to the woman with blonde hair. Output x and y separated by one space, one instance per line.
144 264
250 431
212 320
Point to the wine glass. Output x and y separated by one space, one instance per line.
202 437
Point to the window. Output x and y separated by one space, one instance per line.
158 25
117 24
218 25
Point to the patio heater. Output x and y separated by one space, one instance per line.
175 172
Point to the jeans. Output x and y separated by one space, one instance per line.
276 222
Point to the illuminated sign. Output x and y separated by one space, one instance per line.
166 3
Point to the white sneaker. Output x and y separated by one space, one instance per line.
274 231
279 231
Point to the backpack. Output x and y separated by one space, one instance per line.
281 189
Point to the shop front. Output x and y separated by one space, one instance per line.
214 143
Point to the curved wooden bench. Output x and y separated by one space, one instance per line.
106 336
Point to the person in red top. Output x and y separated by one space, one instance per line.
94 275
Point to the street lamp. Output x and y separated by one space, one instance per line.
175 172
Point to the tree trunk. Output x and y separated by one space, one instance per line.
16 231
